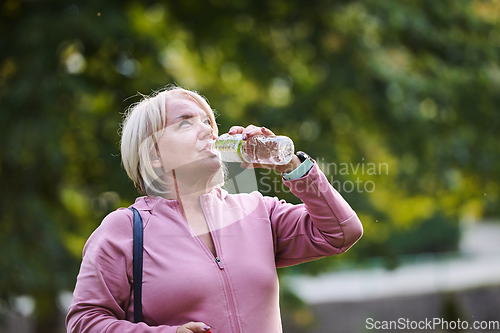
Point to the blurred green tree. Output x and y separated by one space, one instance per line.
395 99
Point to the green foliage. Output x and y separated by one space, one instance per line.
409 85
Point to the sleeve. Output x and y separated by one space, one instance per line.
323 225
103 290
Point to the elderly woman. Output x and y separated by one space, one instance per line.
210 257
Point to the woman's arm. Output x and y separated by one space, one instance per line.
323 225
103 288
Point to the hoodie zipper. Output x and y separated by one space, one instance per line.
222 270
220 265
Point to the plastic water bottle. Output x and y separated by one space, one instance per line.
277 150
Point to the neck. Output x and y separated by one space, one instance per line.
188 192
187 188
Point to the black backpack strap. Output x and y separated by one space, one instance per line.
137 262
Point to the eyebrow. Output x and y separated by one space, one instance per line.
188 116
183 116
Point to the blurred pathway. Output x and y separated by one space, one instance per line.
476 265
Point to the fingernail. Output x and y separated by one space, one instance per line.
244 136
263 129
206 328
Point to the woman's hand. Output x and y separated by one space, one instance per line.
252 130
191 327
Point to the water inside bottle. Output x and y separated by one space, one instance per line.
269 150
277 150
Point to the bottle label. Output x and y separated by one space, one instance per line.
229 147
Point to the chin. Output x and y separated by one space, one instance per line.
212 164
205 165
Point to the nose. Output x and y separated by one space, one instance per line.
207 132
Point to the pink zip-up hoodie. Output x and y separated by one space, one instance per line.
236 291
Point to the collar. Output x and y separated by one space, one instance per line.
149 202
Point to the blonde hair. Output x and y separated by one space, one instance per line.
143 125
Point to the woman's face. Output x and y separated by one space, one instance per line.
186 142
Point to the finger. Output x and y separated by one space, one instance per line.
250 131
236 130
251 128
267 131
242 130
197 327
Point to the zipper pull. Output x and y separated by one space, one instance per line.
219 263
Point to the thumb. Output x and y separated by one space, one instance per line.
197 327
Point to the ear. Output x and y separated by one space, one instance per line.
156 163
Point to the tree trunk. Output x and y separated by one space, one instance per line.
47 314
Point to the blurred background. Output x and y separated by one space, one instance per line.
396 100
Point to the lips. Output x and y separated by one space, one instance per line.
209 147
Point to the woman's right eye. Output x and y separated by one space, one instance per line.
183 123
